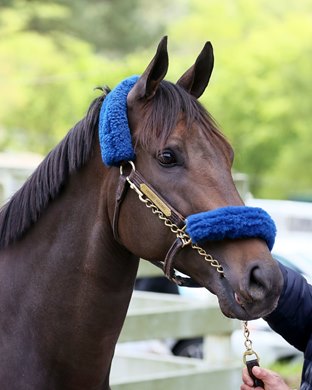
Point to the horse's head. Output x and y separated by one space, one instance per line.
184 157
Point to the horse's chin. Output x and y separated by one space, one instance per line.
232 308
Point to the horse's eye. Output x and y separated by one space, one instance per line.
167 158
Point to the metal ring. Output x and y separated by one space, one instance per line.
249 353
122 166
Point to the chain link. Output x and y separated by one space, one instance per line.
179 232
248 345
247 342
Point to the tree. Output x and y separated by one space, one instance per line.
260 91
116 27
47 80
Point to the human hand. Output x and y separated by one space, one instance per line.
271 380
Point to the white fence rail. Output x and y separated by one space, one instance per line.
163 316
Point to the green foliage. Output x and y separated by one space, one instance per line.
47 82
261 88
53 53
47 90
117 27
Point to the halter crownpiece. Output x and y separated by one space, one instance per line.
114 132
231 222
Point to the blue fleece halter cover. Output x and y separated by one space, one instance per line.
114 132
232 222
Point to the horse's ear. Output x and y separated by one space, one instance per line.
147 84
196 79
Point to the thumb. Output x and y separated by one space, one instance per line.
259 372
268 377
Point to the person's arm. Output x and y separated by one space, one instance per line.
292 318
271 380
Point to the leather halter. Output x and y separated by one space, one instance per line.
172 215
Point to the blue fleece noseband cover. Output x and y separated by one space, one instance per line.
114 132
231 222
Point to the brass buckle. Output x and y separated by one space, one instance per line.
250 352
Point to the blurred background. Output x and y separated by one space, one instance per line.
54 53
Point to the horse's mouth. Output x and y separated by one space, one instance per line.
238 300
233 305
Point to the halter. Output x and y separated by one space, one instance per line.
228 222
166 213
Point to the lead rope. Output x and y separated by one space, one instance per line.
186 240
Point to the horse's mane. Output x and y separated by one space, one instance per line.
28 203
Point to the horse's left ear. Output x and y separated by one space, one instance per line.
148 83
196 79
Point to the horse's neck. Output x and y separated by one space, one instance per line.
67 289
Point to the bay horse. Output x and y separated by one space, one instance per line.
72 236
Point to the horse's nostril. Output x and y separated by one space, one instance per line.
257 285
256 277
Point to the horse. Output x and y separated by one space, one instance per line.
72 236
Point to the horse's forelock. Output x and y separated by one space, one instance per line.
170 104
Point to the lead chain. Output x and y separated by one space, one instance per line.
247 342
248 361
186 240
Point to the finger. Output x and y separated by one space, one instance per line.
246 378
270 378
259 372
263 374
246 387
